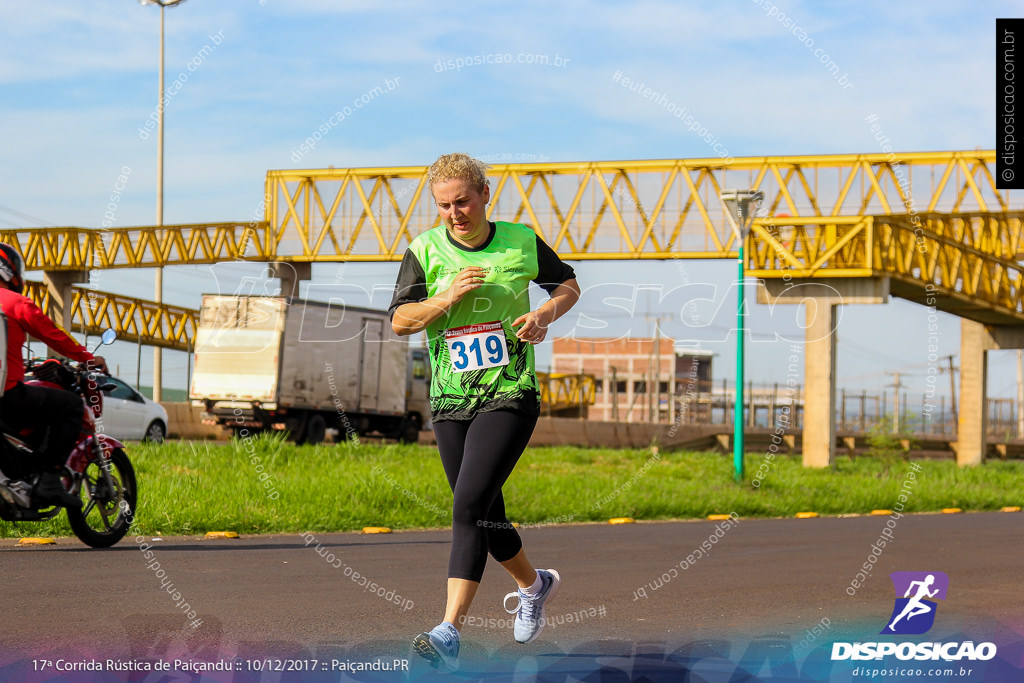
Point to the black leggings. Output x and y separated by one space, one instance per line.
478 456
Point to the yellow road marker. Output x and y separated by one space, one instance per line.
376 530
221 534
806 515
621 520
35 540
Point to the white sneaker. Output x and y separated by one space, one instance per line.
439 646
529 610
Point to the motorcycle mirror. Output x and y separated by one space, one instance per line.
108 337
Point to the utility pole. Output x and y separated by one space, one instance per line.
656 397
897 385
615 395
158 298
952 385
1020 393
654 400
159 281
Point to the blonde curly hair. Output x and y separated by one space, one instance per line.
461 166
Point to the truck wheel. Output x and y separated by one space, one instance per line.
410 430
316 430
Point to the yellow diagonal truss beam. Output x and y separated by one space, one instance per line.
654 209
845 215
968 258
592 210
142 247
559 390
92 311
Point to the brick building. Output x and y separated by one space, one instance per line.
636 379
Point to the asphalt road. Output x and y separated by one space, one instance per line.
782 583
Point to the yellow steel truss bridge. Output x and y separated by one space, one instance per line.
927 221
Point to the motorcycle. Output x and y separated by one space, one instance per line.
97 469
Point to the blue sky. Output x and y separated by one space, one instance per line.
78 80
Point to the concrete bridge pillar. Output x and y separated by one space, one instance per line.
976 340
60 282
822 298
819 435
291 274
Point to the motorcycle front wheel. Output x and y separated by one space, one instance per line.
108 505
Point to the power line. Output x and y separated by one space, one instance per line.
40 222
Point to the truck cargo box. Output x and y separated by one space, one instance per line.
259 353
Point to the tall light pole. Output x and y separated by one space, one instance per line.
740 207
158 358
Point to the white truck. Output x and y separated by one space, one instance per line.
270 363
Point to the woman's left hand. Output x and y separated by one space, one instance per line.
534 327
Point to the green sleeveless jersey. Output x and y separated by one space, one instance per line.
479 367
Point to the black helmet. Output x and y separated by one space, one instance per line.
12 268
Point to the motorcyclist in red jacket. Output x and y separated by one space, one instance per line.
23 405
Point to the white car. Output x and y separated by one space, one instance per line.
128 415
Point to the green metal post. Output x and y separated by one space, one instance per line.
741 322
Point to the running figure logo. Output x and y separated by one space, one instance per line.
914 613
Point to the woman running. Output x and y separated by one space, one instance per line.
465 282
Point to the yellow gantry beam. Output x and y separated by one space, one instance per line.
559 391
659 209
849 215
619 209
965 262
142 247
171 327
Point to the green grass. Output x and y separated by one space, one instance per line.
194 487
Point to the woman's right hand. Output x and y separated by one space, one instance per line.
467 280
411 318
